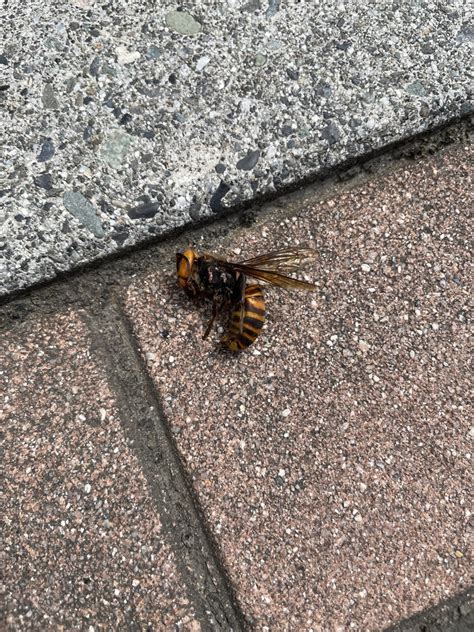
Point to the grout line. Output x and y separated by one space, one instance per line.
145 426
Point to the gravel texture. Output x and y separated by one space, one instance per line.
122 121
83 546
333 460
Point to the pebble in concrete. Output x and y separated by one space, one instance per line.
83 210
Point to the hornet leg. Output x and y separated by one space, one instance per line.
211 322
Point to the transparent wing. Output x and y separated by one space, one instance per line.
275 278
285 260
270 267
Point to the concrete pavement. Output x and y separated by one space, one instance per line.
83 543
121 122
320 481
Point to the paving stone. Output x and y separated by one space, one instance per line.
83 545
139 98
333 459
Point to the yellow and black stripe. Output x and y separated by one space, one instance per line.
251 315
184 263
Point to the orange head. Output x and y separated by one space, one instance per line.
185 263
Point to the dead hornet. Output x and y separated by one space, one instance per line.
225 282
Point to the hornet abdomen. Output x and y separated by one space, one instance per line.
246 320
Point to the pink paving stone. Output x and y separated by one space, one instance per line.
333 459
83 545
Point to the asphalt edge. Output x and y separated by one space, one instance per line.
145 426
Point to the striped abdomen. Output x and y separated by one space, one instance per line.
246 320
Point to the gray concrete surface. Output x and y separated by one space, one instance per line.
122 121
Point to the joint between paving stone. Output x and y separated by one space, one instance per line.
144 423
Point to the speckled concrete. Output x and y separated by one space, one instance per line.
122 121
333 460
82 544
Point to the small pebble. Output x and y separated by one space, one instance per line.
202 62
48 98
44 181
124 56
182 22
363 346
47 151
